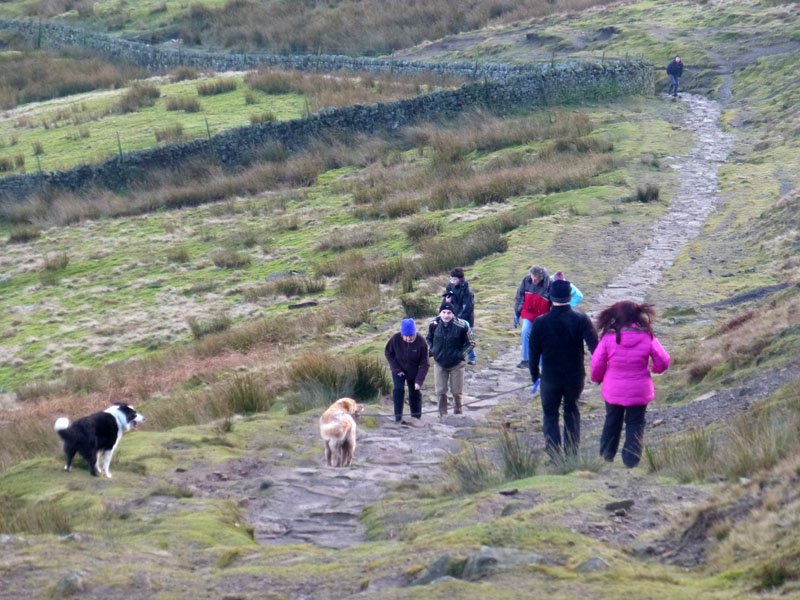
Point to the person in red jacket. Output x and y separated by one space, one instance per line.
627 352
532 300
407 354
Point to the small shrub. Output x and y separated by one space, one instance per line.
564 463
139 95
225 258
6 164
647 193
250 97
246 394
202 328
320 379
419 306
287 286
42 517
183 73
184 103
20 234
340 239
262 117
56 261
49 278
171 133
520 458
19 161
216 86
178 254
688 457
471 472
38 149
422 227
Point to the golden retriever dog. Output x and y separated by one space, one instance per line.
337 428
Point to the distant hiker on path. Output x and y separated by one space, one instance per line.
531 301
449 341
461 297
575 297
674 70
558 338
622 362
407 354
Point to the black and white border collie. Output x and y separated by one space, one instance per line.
96 437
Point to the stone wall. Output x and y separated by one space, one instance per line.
502 86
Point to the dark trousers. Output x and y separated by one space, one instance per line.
634 419
414 398
554 394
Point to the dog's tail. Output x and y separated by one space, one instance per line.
62 423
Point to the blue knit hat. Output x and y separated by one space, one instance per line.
408 327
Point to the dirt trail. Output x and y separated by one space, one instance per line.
320 505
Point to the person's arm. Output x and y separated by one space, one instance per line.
519 299
429 336
535 352
467 306
469 341
589 334
422 366
660 357
391 358
575 296
597 370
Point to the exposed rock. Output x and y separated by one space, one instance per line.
69 584
489 559
436 570
591 565
621 504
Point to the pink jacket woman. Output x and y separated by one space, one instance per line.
623 366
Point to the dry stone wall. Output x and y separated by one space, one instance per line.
500 87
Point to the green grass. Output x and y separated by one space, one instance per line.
81 129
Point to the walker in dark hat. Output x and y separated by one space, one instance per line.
561 291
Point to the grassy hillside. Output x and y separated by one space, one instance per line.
174 296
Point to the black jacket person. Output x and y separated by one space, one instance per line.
449 341
558 338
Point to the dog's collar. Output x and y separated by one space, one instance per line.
121 421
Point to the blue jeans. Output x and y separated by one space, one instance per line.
673 84
527 326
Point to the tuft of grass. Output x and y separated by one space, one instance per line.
417 306
57 261
470 471
139 95
20 234
520 457
688 457
225 258
216 86
184 103
201 328
287 286
178 254
645 193
41 517
563 463
423 227
262 117
246 394
183 73
320 379
170 133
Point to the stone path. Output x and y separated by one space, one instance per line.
322 505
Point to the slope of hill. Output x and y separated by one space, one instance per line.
210 503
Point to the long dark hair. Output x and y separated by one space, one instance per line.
626 314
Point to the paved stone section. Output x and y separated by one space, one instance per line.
694 200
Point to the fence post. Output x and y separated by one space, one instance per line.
208 129
119 145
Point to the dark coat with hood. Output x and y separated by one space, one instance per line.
463 301
675 68
558 338
410 359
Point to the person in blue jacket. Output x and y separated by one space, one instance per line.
674 70
576 297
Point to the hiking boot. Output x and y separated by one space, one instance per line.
523 364
470 362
